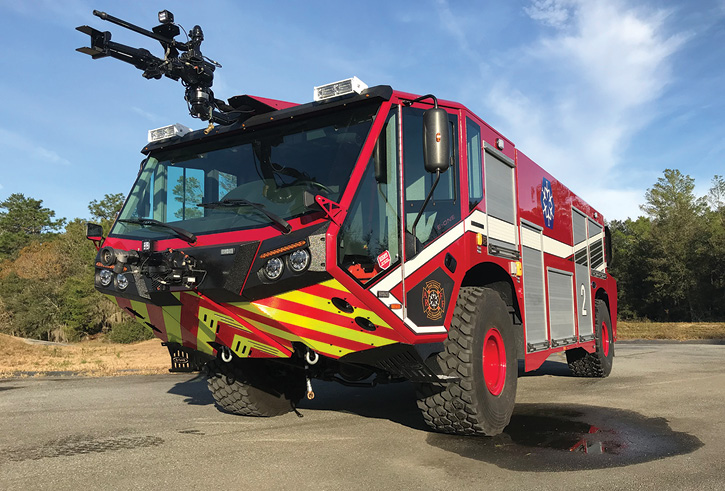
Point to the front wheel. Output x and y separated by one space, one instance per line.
255 387
480 351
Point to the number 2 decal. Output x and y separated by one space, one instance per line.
583 291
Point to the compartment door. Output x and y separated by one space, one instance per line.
561 307
500 203
532 257
581 269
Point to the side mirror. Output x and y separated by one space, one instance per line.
608 246
94 231
436 140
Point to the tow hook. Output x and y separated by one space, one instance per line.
225 354
311 357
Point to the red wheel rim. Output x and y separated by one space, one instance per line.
605 339
494 362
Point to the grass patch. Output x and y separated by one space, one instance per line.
94 358
679 331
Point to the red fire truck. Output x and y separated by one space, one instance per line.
369 236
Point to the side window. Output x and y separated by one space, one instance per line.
443 211
369 240
475 177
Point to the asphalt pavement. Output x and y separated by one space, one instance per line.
655 423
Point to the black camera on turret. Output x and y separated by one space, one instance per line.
182 61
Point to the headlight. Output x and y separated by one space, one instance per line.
121 282
273 269
299 260
105 277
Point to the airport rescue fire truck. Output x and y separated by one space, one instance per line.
370 236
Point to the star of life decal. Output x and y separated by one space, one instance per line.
547 203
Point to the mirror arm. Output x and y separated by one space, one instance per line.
422 98
420 213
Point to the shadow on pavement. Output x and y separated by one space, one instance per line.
550 367
194 390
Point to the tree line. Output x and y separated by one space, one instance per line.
669 263
47 274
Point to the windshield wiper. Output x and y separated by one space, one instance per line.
257 206
183 234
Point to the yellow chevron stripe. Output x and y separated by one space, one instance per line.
323 348
322 303
172 321
204 335
335 285
315 324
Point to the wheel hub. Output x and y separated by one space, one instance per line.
605 339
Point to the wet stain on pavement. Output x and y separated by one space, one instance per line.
192 432
565 437
77 445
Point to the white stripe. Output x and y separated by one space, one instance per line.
424 329
557 248
438 246
478 217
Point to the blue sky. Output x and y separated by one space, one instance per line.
604 94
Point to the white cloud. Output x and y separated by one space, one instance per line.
553 13
12 142
596 79
145 114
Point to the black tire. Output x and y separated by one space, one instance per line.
597 364
255 387
482 401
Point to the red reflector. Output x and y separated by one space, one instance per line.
438 137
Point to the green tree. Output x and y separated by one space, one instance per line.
105 210
189 193
713 281
676 243
24 220
630 244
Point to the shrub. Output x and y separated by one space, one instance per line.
129 332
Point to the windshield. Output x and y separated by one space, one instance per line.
245 181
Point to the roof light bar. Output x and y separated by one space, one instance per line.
167 132
335 89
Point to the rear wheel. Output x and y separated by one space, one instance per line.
480 351
597 364
255 387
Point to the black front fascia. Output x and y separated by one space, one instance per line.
380 92
257 286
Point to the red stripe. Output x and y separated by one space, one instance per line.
327 292
324 316
156 318
189 319
125 304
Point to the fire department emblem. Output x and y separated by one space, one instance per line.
547 203
434 300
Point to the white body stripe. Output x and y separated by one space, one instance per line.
557 248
